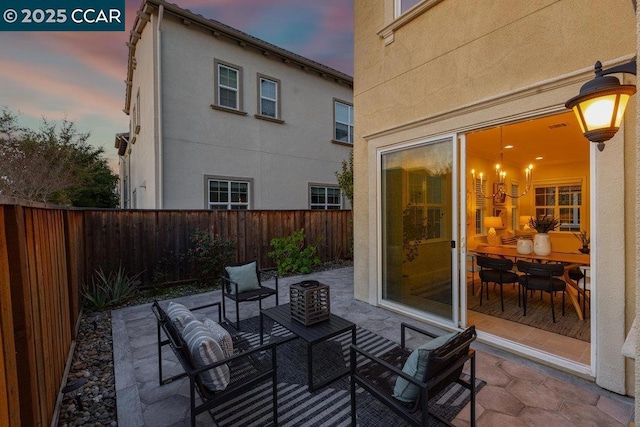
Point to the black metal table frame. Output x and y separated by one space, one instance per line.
312 335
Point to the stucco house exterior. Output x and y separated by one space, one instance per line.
444 90
223 120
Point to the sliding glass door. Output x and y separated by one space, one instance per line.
418 232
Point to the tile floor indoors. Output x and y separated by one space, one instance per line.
518 392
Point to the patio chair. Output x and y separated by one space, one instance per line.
242 283
405 380
544 278
243 369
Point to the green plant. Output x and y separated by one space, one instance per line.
106 290
544 224
583 237
208 255
291 256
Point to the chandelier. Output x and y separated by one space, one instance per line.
499 190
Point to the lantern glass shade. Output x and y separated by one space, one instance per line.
600 112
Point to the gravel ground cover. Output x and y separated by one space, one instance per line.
93 360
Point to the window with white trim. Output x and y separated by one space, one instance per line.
228 86
325 198
561 201
269 98
343 122
401 6
425 208
228 195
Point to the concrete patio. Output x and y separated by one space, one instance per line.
518 392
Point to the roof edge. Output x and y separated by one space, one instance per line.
219 29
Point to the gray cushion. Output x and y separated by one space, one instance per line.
245 276
179 315
416 366
222 336
205 350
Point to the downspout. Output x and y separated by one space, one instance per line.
160 156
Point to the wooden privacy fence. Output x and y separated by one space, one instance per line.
41 268
138 239
47 252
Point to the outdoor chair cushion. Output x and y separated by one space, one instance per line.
416 366
179 315
245 276
205 350
222 336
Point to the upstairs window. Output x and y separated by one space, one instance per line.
269 94
401 6
228 86
343 122
228 195
325 198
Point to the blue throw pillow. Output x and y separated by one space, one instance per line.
416 366
245 276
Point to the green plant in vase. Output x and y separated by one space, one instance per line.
544 224
541 241
584 240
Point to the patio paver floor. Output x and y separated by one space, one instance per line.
518 391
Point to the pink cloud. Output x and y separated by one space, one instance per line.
80 101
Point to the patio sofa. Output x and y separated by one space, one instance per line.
219 364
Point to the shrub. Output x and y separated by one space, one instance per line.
170 266
208 255
291 256
107 290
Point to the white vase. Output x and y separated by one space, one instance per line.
542 244
524 246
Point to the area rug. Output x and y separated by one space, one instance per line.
329 405
538 311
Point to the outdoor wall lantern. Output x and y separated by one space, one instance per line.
601 103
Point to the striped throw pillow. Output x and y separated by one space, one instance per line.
205 350
222 336
179 315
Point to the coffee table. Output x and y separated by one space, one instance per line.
312 335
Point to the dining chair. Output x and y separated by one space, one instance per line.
542 277
586 287
498 271
471 269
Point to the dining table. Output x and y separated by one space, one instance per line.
569 259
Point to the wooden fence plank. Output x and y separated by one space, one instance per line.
9 386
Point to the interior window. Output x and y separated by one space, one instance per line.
561 201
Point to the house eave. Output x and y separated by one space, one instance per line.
219 29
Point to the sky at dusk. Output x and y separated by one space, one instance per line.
80 75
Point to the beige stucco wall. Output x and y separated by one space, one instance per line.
280 160
465 65
143 153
